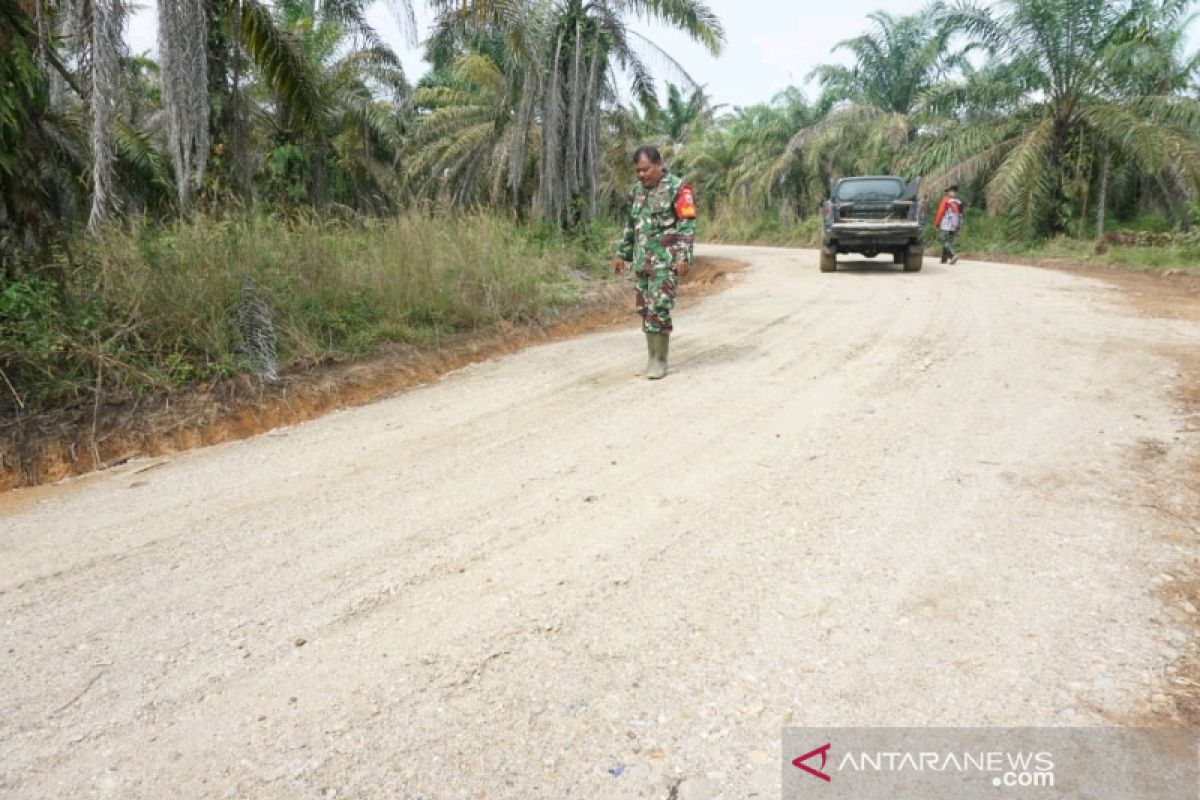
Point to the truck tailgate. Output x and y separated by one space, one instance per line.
875 226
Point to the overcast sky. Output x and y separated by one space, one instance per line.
771 44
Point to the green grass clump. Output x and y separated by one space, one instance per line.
985 238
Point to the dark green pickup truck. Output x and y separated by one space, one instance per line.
874 214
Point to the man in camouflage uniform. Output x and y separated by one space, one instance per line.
657 244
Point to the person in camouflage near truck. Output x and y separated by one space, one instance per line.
660 230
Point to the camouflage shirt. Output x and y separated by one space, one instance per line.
661 226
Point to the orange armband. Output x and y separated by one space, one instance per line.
685 203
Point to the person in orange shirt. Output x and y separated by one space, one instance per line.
948 220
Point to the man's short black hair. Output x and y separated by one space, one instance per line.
650 152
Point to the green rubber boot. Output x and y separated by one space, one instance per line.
659 346
649 353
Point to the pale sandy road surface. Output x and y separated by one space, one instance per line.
859 499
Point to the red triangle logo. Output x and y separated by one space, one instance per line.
822 751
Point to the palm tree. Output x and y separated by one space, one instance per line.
894 63
182 45
478 108
355 83
744 159
874 102
311 71
26 103
588 41
73 98
681 118
463 150
1152 62
1059 87
565 58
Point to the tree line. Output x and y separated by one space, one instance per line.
1054 114
300 103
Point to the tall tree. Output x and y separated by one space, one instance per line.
353 82
463 150
24 103
681 117
895 62
182 47
587 41
744 162
1065 90
570 53
103 52
875 101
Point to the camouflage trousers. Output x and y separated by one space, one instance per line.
948 244
655 298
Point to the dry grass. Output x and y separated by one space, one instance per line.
146 308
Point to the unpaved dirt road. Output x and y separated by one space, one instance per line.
867 498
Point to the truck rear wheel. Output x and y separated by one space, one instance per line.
828 262
913 258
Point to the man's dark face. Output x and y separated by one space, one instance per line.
648 173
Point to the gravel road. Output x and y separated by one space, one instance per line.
866 498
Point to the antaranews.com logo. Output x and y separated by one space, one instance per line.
991 763
1024 770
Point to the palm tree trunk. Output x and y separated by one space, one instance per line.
105 38
1082 174
1102 198
45 34
520 141
592 134
550 189
575 89
182 44
1171 189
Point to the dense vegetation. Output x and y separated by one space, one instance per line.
1054 115
275 165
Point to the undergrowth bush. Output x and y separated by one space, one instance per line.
148 307
729 227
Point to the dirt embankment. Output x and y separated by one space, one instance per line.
49 447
